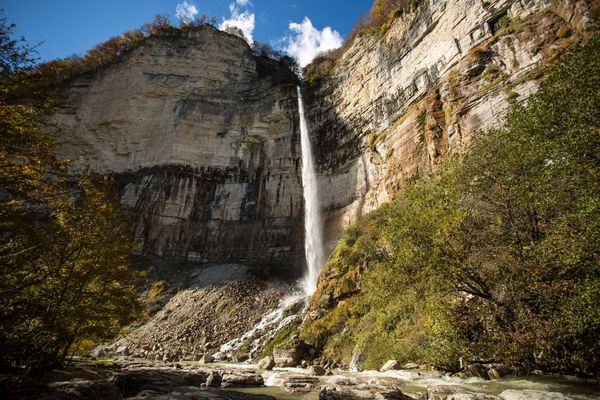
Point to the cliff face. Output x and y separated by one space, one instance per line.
399 104
202 136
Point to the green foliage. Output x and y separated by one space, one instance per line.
384 12
52 73
286 337
64 279
505 21
493 75
15 54
380 18
495 257
74 286
512 97
156 297
563 32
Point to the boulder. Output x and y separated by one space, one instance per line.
213 379
476 370
84 389
133 382
299 383
189 393
346 393
239 357
316 370
391 364
456 392
530 394
485 370
266 363
207 358
99 351
357 363
287 357
392 395
472 396
241 379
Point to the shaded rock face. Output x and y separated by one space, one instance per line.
400 104
202 136
83 389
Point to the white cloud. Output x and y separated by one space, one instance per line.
305 41
243 20
186 12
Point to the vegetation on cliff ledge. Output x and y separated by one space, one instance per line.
377 21
496 257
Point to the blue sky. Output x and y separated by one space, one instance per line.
69 27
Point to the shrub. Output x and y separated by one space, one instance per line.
65 280
494 257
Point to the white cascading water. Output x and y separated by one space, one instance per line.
266 328
313 237
274 321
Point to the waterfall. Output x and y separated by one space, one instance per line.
313 237
295 303
268 326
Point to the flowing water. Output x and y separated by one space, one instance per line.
415 383
288 308
412 382
269 325
313 237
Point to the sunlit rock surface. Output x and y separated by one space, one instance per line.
399 104
203 138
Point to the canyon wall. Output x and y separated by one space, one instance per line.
398 104
202 137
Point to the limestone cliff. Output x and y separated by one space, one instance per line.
398 104
203 139
202 136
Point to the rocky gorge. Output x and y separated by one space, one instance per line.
205 136
130 378
202 139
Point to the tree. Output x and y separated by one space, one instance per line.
234 30
26 156
160 23
78 288
64 276
494 257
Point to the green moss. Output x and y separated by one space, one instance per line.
429 277
563 32
479 52
287 336
494 76
505 21
157 290
244 349
512 97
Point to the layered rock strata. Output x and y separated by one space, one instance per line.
202 136
397 104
